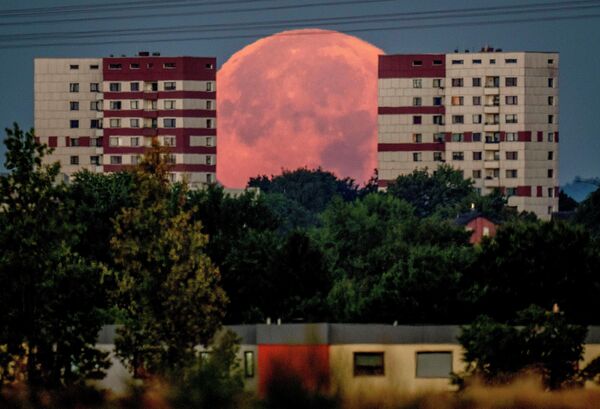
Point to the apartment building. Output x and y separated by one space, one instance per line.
491 114
101 114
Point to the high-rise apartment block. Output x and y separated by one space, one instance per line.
101 113
491 114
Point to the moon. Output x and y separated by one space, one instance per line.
300 98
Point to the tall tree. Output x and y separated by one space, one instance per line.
588 213
50 296
167 287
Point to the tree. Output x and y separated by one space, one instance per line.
52 298
537 340
566 203
588 213
167 287
533 262
445 188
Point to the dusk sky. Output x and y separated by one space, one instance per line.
575 39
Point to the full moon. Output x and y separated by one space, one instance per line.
301 98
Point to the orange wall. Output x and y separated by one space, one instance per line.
309 363
477 225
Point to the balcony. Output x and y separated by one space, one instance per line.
149 114
491 90
147 131
491 164
98 132
491 109
491 146
150 95
491 181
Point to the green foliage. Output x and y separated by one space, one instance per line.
445 189
588 213
566 203
536 262
167 287
215 382
537 340
51 297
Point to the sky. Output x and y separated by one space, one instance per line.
575 40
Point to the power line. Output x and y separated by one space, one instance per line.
196 13
308 32
336 21
120 6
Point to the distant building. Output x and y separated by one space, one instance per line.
100 113
479 225
491 114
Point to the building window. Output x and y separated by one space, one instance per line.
417 101
208 160
550 82
209 178
493 61
249 364
477 155
434 364
98 142
513 155
550 173
95 124
417 83
477 174
94 67
209 141
114 66
550 61
437 62
170 86
209 105
492 137
550 100
456 100
169 104
511 173
416 120
369 364
74 87
417 156
134 66
209 86
115 160
458 119
113 141
437 157
457 82
511 191
134 86
458 62
512 137
492 119
169 123
74 106
417 138
209 123
550 136
135 159
114 86
169 65
550 119
169 141
511 100
134 104
73 141
550 192
417 63
134 123
439 137
170 158
115 123
437 83
115 105
74 160
95 160
477 119
74 123
550 155
510 61
476 136
437 101
511 119
510 81
95 105
154 86
477 82
458 156
94 87
476 100
457 137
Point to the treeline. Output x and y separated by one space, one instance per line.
172 264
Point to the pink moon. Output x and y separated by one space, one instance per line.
301 98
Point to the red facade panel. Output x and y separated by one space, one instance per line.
308 364
478 227
409 147
412 66
524 191
159 68
182 113
152 96
540 136
411 110
524 136
502 136
539 191
179 167
53 141
84 141
556 136
468 136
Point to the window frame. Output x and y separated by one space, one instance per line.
364 372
